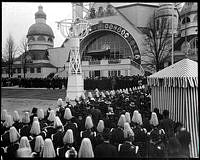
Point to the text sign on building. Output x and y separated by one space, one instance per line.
121 31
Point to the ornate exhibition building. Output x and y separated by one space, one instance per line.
114 45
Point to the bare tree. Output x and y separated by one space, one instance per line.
24 52
10 51
157 43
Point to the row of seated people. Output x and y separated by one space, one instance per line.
46 136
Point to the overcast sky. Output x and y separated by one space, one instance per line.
17 17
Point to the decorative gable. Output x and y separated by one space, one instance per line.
101 10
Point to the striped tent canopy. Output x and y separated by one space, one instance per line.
180 74
175 88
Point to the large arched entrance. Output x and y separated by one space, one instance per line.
109 41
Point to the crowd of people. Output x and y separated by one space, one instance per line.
116 123
102 83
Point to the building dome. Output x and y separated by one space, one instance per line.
40 29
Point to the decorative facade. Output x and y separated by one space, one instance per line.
114 45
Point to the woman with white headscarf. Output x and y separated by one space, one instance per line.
156 138
58 135
24 143
86 150
34 132
89 130
39 145
117 134
69 124
4 113
48 149
69 142
51 117
13 145
128 117
8 122
17 121
140 135
100 129
25 130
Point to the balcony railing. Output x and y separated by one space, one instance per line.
114 61
94 62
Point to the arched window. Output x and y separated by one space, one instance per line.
185 47
185 20
195 18
50 39
194 45
31 39
41 38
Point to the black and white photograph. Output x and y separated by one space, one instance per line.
99 80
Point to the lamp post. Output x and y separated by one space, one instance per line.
74 29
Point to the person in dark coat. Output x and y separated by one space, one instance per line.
140 135
41 119
80 122
105 149
160 116
68 124
128 149
167 124
57 138
68 143
25 130
5 140
61 108
96 115
184 138
100 129
51 117
156 138
33 114
13 146
8 123
117 134
174 148
34 132
89 131
38 146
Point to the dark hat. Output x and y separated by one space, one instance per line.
34 110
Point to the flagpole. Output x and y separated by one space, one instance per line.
172 34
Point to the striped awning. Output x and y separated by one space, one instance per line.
175 88
181 74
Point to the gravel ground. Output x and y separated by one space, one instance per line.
22 105
24 99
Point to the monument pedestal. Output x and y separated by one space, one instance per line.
75 86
